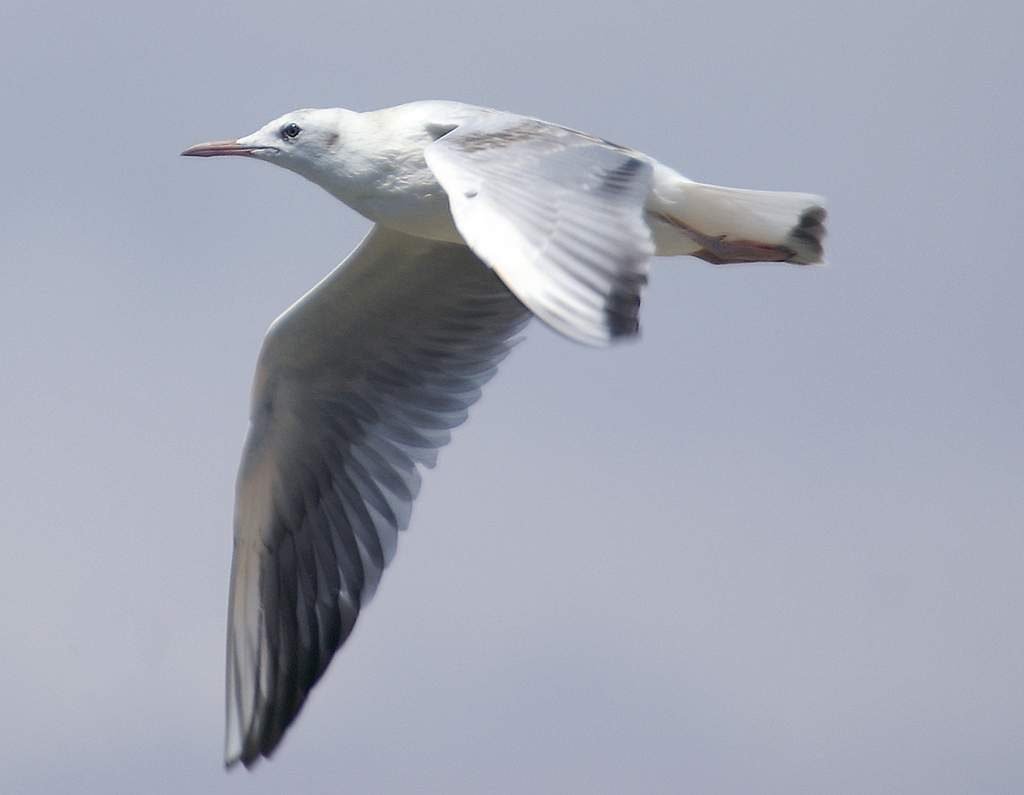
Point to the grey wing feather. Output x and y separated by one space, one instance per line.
558 214
357 386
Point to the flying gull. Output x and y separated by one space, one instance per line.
482 219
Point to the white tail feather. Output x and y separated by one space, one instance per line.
737 225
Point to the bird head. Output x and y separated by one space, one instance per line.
305 141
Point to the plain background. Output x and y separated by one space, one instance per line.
774 547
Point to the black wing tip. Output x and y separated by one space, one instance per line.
270 724
623 328
248 757
260 745
254 749
232 762
620 179
808 236
622 308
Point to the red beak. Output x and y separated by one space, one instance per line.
220 148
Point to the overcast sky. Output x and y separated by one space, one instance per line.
775 547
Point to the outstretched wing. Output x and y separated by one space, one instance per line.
357 386
558 214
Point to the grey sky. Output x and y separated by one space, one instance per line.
774 547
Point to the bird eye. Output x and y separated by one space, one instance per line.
290 131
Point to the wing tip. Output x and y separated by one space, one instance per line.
251 750
239 750
235 754
807 237
247 761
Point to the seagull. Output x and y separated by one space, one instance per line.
482 219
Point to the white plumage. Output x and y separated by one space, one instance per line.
482 219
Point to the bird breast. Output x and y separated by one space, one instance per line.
405 195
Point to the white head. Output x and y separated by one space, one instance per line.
310 142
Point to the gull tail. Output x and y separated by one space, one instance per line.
727 225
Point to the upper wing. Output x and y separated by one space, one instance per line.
559 215
357 383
